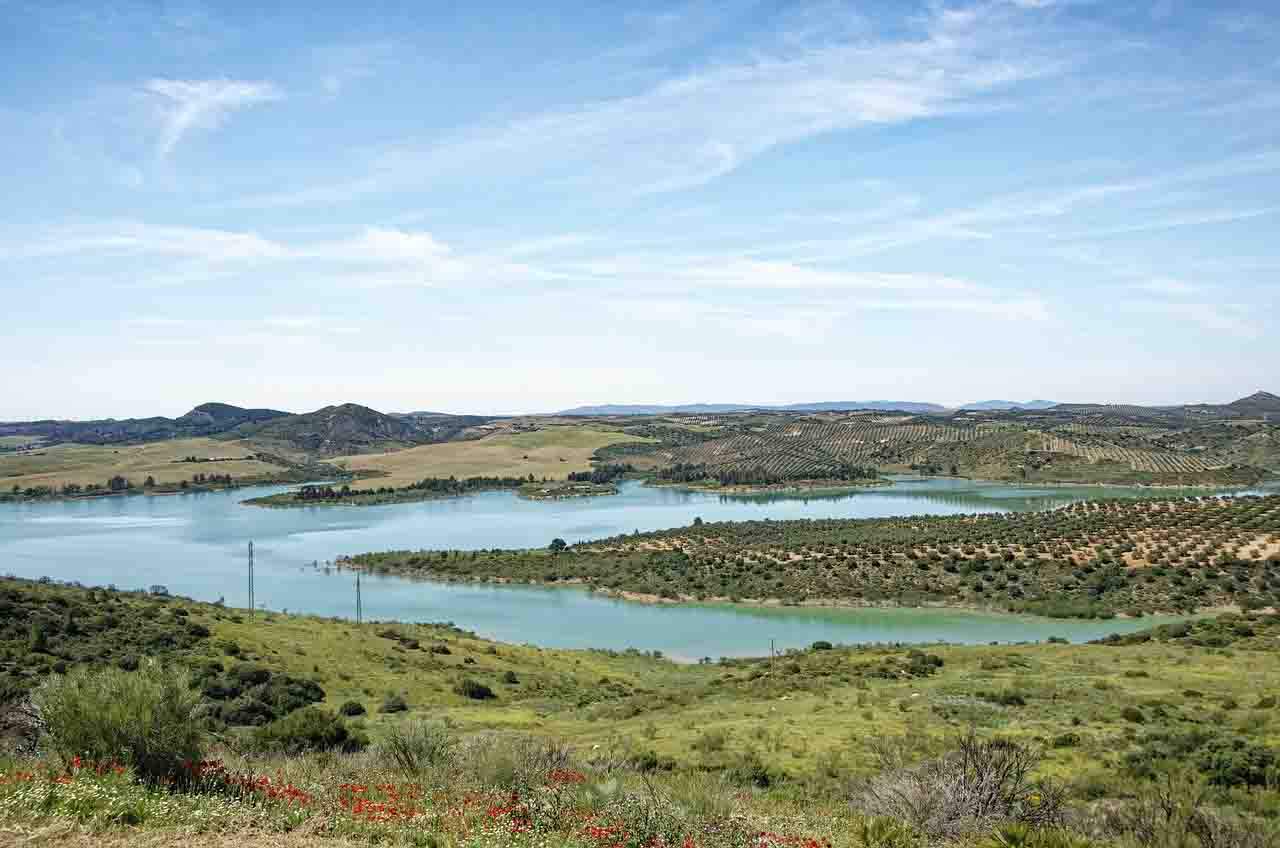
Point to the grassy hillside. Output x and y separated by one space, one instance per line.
548 452
1088 559
61 464
723 752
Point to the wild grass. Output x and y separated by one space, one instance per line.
786 746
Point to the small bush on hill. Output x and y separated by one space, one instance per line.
976 786
143 718
1007 698
308 729
473 689
418 745
1222 760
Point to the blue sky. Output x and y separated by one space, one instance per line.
522 207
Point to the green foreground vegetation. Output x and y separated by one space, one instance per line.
1095 559
131 712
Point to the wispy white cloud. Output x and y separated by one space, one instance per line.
658 271
374 257
135 238
1189 219
1012 213
688 130
812 320
383 257
186 105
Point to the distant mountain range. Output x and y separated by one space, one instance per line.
351 428
207 419
821 406
1010 404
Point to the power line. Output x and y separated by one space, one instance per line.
251 607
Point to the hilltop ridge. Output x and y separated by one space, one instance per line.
335 430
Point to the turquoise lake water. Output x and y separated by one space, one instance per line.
195 545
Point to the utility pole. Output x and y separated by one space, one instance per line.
251 607
359 607
772 664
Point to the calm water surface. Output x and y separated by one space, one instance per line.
195 545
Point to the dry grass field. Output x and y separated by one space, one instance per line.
83 464
550 452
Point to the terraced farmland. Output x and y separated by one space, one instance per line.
1152 461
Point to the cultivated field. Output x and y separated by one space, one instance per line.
1137 459
1089 559
550 452
83 464
796 448
815 446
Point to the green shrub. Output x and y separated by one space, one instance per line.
1008 698
1223 760
882 832
710 741
1021 836
747 769
144 718
352 709
393 703
1133 714
649 761
248 711
287 694
473 689
308 729
417 745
